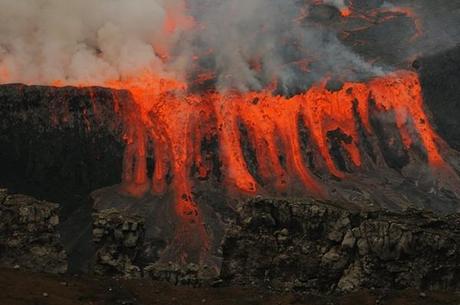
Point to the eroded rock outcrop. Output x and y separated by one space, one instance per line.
119 241
28 234
314 246
124 249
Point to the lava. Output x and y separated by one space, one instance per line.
261 135
177 121
170 123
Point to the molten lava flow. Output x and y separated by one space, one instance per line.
345 12
177 122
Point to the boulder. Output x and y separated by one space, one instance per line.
28 234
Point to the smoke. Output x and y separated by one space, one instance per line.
245 44
340 4
84 41
254 43
440 23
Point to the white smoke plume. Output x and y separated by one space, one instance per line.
274 34
74 41
340 4
92 41
247 44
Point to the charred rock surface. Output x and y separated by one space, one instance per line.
28 234
119 240
151 217
307 245
190 275
440 82
59 144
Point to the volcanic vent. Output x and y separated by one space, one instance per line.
284 109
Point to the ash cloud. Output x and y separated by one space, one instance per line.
79 41
245 44
340 4
257 42
90 42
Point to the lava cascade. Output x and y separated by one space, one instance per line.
177 122
171 123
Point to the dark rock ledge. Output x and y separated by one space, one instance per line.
307 245
28 234
304 246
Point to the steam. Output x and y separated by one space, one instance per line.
82 41
246 44
340 4
288 49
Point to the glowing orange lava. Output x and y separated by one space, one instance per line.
4 73
177 122
345 12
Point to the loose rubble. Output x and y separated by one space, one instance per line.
28 234
191 275
281 245
119 240
312 246
121 247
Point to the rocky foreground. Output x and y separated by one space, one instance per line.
296 246
28 234
24 288
307 245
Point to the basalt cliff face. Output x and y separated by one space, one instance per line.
59 144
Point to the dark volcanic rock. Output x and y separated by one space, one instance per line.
59 144
440 82
124 250
119 241
28 234
311 246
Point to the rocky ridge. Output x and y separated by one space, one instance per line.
284 245
28 234
307 245
119 242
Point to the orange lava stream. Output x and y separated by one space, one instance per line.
345 12
177 122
